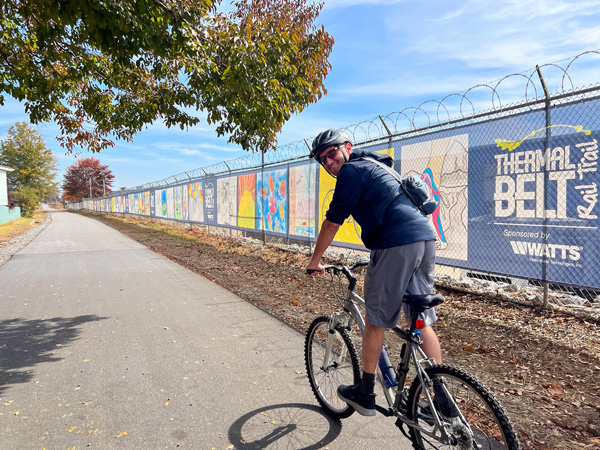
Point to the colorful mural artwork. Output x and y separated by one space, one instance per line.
196 202
164 203
515 197
170 203
302 199
178 203
184 203
227 195
160 205
271 206
247 201
443 164
143 203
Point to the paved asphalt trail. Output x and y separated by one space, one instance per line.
107 345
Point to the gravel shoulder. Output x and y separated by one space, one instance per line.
11 245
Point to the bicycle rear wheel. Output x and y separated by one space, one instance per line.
487 426
341 367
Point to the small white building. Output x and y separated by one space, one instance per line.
7 214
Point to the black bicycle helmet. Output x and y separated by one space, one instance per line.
327 138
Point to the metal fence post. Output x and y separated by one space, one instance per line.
316 202
388 130
262 183
545 219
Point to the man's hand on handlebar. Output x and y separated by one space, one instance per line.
313 270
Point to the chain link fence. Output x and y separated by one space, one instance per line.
512 167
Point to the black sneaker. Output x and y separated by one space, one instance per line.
363 404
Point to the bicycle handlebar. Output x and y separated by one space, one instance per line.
346 270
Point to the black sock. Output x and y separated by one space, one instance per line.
368 383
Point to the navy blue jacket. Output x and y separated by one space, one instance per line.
372 196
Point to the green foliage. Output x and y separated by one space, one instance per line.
87 178
29 198
35 165
104 70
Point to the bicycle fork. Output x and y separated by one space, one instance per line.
334 321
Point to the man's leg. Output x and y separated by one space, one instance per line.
431 344
372 345
361 397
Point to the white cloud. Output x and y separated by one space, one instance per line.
513 36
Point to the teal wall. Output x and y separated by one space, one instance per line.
8 215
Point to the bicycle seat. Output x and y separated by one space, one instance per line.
419 303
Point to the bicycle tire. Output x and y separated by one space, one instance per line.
491 427
342 369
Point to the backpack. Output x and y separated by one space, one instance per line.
413 187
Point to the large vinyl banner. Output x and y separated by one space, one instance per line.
534 213
210 200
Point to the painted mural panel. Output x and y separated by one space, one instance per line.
121 204
178 203
132 203
184 203
170 201
158 203
164 203
302 200
272 205
443 164
196 202
143 203
247 201
227 194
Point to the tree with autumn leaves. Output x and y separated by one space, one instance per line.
87 178
35 166
105 70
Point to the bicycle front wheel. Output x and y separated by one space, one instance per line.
480 424
331 360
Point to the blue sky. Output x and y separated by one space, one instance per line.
388 55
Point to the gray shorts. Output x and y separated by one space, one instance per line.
391 273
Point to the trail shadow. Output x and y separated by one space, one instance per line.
26 343
289 425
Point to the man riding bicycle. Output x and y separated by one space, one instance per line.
401 242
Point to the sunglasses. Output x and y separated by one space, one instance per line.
330 154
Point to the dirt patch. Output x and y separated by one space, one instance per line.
542 365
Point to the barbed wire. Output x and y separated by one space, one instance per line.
468 106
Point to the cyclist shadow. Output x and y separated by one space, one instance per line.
289 425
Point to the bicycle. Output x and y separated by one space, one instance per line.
443 407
